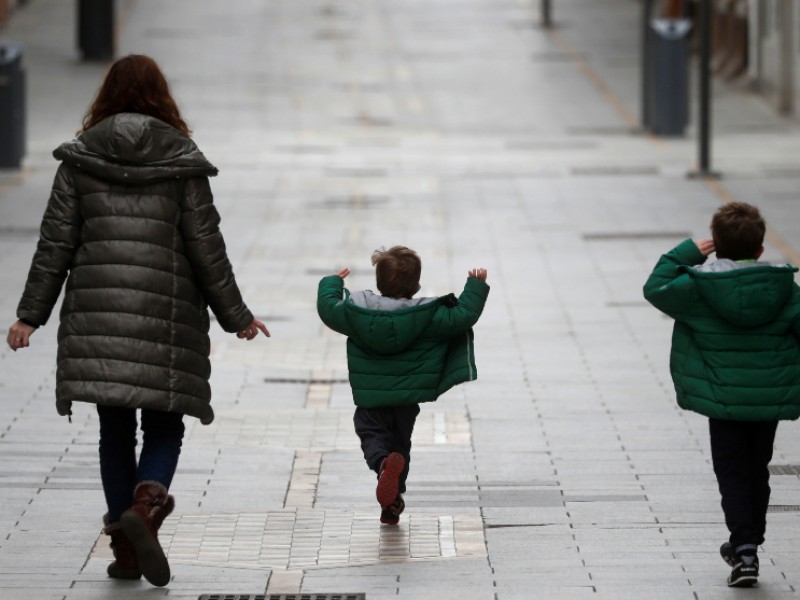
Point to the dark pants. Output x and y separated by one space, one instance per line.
741 451
162 435
385 430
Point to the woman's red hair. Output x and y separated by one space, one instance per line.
135 84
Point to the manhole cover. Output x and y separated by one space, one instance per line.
358 596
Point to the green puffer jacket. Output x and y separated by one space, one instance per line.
131 226
736 341
404 351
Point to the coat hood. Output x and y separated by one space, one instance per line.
389 325
746 294
135 149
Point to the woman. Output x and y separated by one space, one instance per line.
131 226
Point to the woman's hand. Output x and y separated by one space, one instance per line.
19 335
344 273
251 330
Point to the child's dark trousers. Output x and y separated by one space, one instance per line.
384 430
741 451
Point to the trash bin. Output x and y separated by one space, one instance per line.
12 107
668 79
96 29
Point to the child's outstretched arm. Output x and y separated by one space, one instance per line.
458 318
330 303
669 288
478 274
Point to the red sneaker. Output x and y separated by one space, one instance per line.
391 515
389 479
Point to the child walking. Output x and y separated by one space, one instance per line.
401 351
735 359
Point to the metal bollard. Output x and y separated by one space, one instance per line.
547 14
12 107
96 29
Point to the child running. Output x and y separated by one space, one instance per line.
401 351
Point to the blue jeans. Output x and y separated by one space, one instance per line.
161 446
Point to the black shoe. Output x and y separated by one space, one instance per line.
727 554
744 575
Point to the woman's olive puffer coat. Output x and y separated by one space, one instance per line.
131 225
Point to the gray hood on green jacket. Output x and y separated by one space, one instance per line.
746 294
389 325
135 149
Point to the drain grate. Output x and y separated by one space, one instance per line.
353 271
355 172
300 380
168 33
327 35
354 201
601 130
551 57
783 508
788 172
627 303
19 232
611 236
784 469
522 24
550 145
306 149
614 171
267 319
358 596
516 525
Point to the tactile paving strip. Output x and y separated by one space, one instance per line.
309 538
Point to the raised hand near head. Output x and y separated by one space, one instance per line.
478 274
706 247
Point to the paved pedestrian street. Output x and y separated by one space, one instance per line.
471 134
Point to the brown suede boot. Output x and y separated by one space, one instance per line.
125 565
151 505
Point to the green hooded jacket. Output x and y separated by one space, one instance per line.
403 351
736 341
